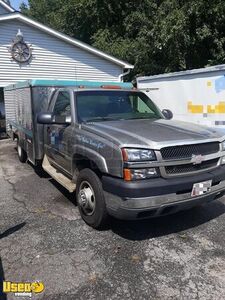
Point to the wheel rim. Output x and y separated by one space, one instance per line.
86 198
19 149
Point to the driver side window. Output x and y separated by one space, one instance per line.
62 105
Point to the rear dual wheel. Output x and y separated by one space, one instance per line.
22 155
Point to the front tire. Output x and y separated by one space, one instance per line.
22 155
91 200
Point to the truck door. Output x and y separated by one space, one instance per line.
57 136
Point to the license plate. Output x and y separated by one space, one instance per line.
201 188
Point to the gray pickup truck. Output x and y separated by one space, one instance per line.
113 146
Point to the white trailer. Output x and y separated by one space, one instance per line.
195 96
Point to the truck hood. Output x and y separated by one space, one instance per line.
153 133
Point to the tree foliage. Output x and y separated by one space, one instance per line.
157 36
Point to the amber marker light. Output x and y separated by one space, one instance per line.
127 174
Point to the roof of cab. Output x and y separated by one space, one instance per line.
65 83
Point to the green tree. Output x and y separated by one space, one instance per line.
191 33
155 35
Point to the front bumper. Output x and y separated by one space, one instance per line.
159 196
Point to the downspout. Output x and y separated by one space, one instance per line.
123 74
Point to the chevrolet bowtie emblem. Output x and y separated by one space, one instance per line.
197 159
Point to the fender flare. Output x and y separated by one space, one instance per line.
92 155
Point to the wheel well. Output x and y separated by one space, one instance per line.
15 136
81 162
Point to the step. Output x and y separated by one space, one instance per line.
58 176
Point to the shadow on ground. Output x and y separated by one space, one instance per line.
42 174
175 223
39 171
12 230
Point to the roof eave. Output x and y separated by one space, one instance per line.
17 15
6 6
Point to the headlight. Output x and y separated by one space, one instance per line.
137 174
138 154
223 146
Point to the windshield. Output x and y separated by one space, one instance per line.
94 106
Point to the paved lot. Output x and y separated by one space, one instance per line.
43 238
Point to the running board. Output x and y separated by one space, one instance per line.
58 176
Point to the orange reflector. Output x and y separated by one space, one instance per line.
114 87
127 174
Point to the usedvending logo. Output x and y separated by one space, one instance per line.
23 289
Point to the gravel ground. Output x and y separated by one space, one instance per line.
42 237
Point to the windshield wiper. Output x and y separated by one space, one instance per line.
142 118
101 119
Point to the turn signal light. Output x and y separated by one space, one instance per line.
127 174
139 174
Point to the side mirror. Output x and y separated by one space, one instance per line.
44 118
167 114
61 120
49 118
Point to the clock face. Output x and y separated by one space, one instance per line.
21 52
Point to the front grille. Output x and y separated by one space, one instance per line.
178 169
186 151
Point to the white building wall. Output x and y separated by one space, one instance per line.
52 58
